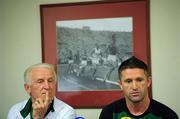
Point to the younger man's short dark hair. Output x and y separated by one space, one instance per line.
131 63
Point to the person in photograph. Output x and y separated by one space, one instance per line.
70 58
96 53
40 83
112 50
136 104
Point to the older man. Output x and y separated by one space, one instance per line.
40 83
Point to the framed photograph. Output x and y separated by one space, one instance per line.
87 41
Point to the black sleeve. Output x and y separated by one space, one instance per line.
106 113
170 115
163 111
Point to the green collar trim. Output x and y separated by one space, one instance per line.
28 109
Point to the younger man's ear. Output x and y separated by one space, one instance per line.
120 83
149 80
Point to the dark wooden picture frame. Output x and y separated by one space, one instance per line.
50 13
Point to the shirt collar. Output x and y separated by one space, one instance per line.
28 108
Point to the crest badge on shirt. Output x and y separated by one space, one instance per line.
125 117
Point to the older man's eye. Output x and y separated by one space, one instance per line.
50 80
39 81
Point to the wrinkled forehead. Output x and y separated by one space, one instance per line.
41 71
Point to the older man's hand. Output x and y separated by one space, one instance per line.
40 106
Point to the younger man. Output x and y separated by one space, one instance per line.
136 104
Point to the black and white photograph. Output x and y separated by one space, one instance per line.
89 52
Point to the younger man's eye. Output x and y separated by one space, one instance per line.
140 79
128 81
